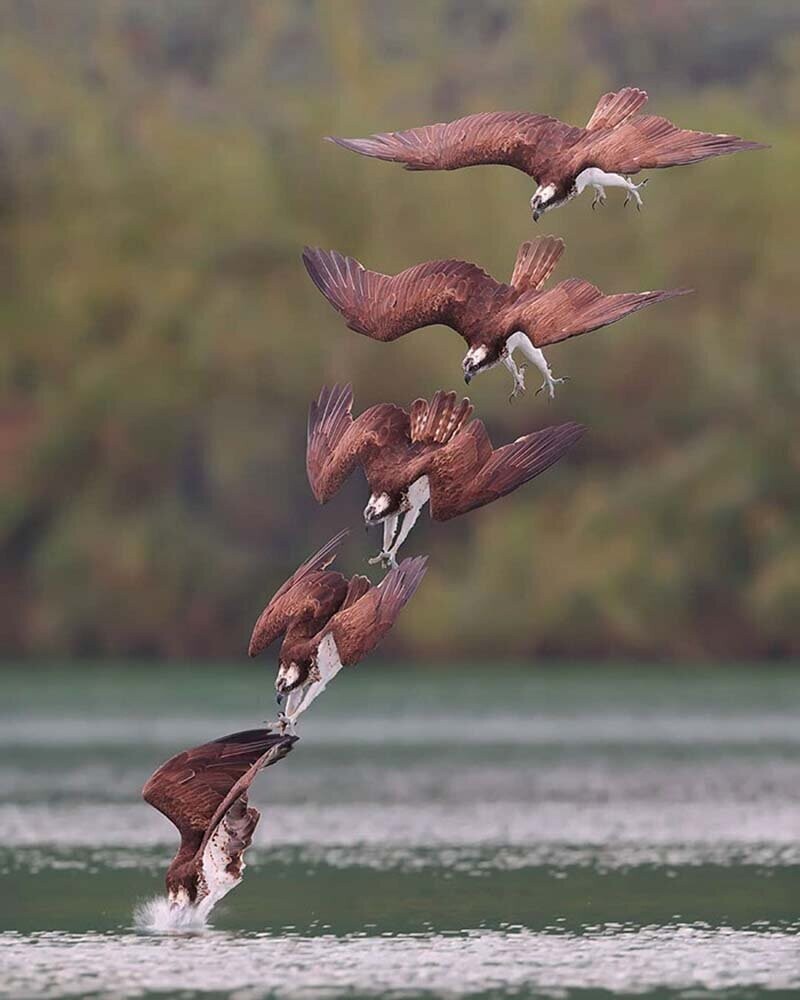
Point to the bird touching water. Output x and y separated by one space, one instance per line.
203 791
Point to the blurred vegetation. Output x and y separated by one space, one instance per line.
161 166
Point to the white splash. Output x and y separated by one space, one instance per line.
159 916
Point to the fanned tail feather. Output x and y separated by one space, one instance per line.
617 107
535 262
436 422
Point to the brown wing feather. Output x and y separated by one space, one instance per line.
385 307
516 139
357 630
648 141
616 107
336 443
356 588
289 601
575 306
535 262
190 788
469 473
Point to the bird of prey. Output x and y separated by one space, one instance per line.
563 159
328 622
493 318
432 452
203 791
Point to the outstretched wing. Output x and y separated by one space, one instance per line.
290 600
515 139
575 306
386 307
357 630
194 788
469 473
336 443
647 141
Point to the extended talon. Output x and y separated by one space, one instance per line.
377 559
550 383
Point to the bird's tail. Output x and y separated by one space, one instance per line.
617 107
437 421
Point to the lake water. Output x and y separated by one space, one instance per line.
559 832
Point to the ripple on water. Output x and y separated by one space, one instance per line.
680 957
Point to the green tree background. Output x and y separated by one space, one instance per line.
161 166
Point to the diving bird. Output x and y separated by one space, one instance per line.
494 319
563 159
203 791
328 622
432 452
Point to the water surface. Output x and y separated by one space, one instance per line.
560 832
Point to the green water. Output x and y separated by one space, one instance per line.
470 832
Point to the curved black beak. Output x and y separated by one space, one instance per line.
536 214
467 377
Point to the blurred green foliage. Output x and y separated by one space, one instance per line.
161 166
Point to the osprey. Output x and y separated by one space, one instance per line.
433 452
328 622
493 318
562 159
203 791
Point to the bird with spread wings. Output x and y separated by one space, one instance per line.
563 159
431 452
494 318
203 792
328 622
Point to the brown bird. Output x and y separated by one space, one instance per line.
493 318
328 622
433 452
561 158
203 791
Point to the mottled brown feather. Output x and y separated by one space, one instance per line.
359 628
297 597
468 473
336 443
385 307
195 788
575 306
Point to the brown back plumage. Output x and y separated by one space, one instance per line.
436 422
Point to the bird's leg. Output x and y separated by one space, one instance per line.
389 531
522 341
418 495
517 373
633 192
600 180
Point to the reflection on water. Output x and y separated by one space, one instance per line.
612 832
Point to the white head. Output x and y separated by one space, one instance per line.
379 506
543 199
480 359
288 677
